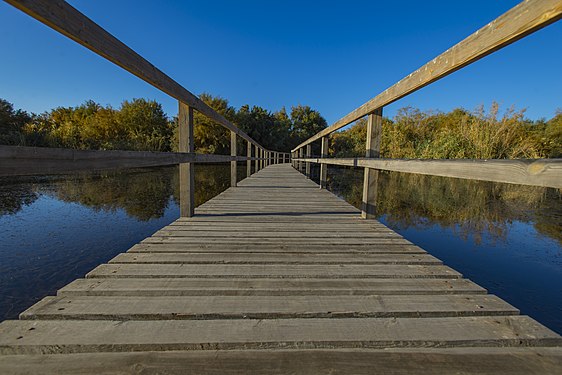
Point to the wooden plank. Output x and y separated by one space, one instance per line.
288 249
266 287
466 361
265 307
20 160
272 234
50 337
62 17
520 21
260 258
286 227
542 172
257 242
273 271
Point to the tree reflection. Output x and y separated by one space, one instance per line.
143 193
470 208
15 196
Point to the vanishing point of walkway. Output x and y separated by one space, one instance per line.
276 276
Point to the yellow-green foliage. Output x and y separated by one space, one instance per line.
459 134
139 124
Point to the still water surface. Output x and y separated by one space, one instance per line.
507 238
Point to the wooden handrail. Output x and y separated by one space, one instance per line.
522 20
67 20
21 160
542 172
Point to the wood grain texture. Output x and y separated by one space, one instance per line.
265 307
522 20
233 163
60 336
542 172
20 160
465 361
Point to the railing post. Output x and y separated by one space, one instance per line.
307 164
233 163
187 170
249 161
370 179
301 154
262 161
256 162
324 167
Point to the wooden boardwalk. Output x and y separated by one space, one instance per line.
276 276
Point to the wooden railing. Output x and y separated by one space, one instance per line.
522 20
68 21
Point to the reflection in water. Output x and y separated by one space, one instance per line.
471 208
507 238
55 229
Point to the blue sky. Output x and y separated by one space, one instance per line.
333 56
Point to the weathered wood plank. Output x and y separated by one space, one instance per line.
273 271
260 258
256 242
542 172
272 234
265 307
465 361
49 337
20 160
520 21
281 248
266 287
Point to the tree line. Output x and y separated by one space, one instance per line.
142 124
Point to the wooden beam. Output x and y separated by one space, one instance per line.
62 17
249 162
233 163
307 165
19 160
371 176
324 167
186 170
522 20
541 172
256 162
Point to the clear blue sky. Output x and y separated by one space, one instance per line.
333 56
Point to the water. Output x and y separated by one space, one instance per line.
55 229
506 238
